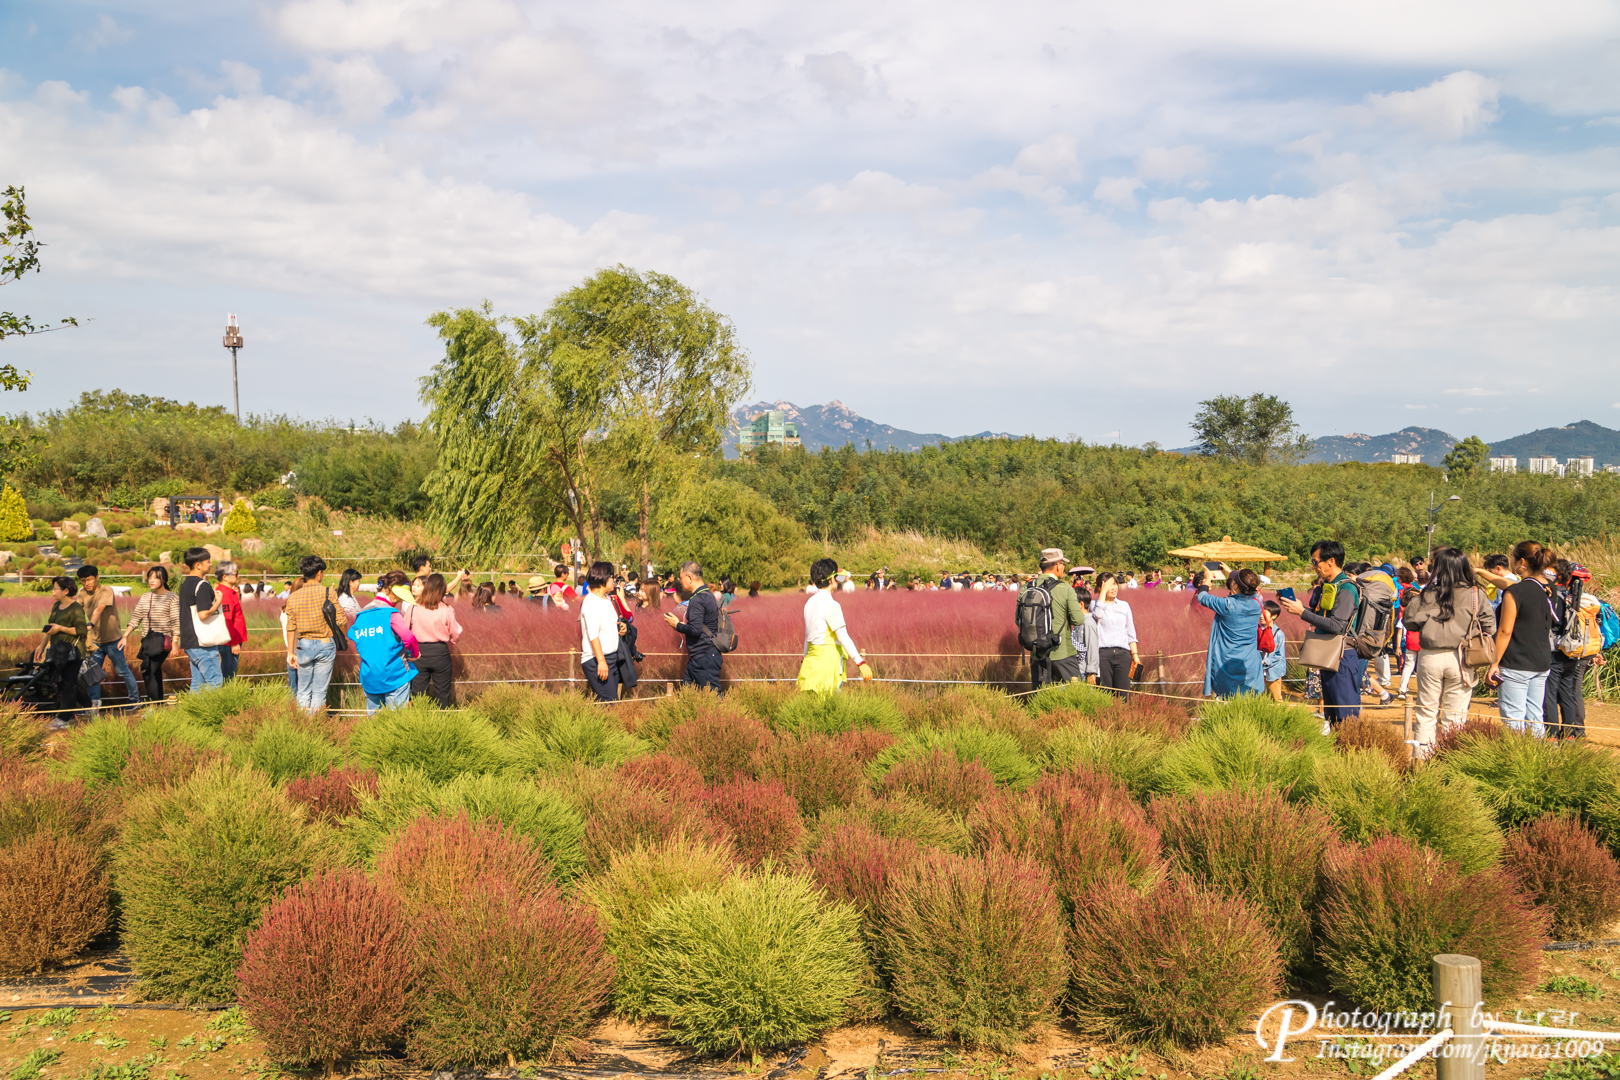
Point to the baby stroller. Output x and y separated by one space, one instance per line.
35 683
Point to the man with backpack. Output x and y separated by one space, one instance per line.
1333 609
1577 646
701 628
1048 610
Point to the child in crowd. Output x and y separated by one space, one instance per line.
1274 664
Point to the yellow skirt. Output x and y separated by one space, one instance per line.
823 668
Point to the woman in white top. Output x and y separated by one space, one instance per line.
827 644
1116 635
599 633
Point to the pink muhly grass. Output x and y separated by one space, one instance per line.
759 817
942 781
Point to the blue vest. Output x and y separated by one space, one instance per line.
383 668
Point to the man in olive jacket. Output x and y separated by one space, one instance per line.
1063 663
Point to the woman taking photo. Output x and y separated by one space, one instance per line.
828 648
433 622
1524 625
1445 615
1116 635
1235 664
158 614
383 640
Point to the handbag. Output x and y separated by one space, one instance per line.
212 631
1323 651
1478 650
329 613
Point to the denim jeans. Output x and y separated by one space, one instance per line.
227 662
391 700
204 668
315 658
120 665
1520 698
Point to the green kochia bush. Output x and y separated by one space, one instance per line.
195 867
98 751
1239 752
211 707
282 752
901 818
1131 757
994 750
757 962
1286 723
1366 798
582 734
1522 777
1082 698
440 744
834 714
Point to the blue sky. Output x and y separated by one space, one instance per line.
1061 219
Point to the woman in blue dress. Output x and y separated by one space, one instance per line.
1234 638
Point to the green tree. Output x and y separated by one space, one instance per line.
1258 429
20 255
1466 458
1148 549
239 520
732 532
14 523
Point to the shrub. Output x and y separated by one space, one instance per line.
334 794
638 883
973 947
244 725
756 962
721 745
433 862
14 522
1366 798
1082 827
98 751
687 703
1281 721
32 802
1360 733
1560 865
817 771
761 700
1152 716
282 752
584 734
1522 777
1082 698
1391 906
195 866
509 976
508 706
902 818
544 818
53 900
856 865
329 971
22 731
1256 846
164 764
997 752
212 706
642 817
1182 966
942 781
867 743
1132 757
851 709
758 816
1451 736
672 776
440 744
1238 753
980 707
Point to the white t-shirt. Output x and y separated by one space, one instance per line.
597 619
823 613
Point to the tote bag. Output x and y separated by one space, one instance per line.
1478 650
212 631
1320 650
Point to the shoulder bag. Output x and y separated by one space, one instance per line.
329 613
212 631
1320 650
1478 650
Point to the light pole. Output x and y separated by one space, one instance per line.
233 341
1434 510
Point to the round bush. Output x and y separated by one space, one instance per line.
641 817
433 863
511 976
997 752
856 865
1360 733
1284 722
1560 865
757 962
973 947
1522 777
164 764
1082 827
98 751
438 743
22 731
817 771
942 781
1367 798
721 745
1075 697
582 733
53 901
981 707
244 725
333 795
329 972
282 752
759 818
509 706
852 709
32 801
902 818
1153 716
1238 752
1130 756
196 865
212 706
667 775
1389 907
1451 736
637 884
1182 966
1256 846
867 743
670 711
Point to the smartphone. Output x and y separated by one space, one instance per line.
1285 593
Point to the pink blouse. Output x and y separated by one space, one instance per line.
435 624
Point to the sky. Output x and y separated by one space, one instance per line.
1074 219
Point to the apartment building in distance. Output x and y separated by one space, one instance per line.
1505 464
771 426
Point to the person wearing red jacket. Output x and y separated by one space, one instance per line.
235 619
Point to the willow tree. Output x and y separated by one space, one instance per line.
518 423
677 368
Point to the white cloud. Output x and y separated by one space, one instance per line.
840 76
1475 391
414 26
359 86
1462 103
106 32
873 192
1117 191
1177 163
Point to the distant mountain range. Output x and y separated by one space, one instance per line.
835 424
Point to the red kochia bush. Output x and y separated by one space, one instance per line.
334 794
1559 863
1082 826
855 864
819 772
1152 715
973 947
677 778
1392 905
32 801
164 764
722 745
508 977
1364 733
432 862
1182 966
53 900
1475 727
942 781
866 743
642 817
329 973
758 816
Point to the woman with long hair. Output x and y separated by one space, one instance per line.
1116 635
157 614
386 646
347 602
433 622
1524 626
484 599
1449 611
828 648
1234 665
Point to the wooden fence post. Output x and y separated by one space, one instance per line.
1458 997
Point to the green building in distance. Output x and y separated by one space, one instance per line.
771 426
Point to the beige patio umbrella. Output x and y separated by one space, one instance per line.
1225 550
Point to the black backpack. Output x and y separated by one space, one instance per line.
725 638
1035 619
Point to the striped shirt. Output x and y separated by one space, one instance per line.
158 613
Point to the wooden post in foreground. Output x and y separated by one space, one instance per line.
1458 995
1406 727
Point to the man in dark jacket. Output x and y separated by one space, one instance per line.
702 623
